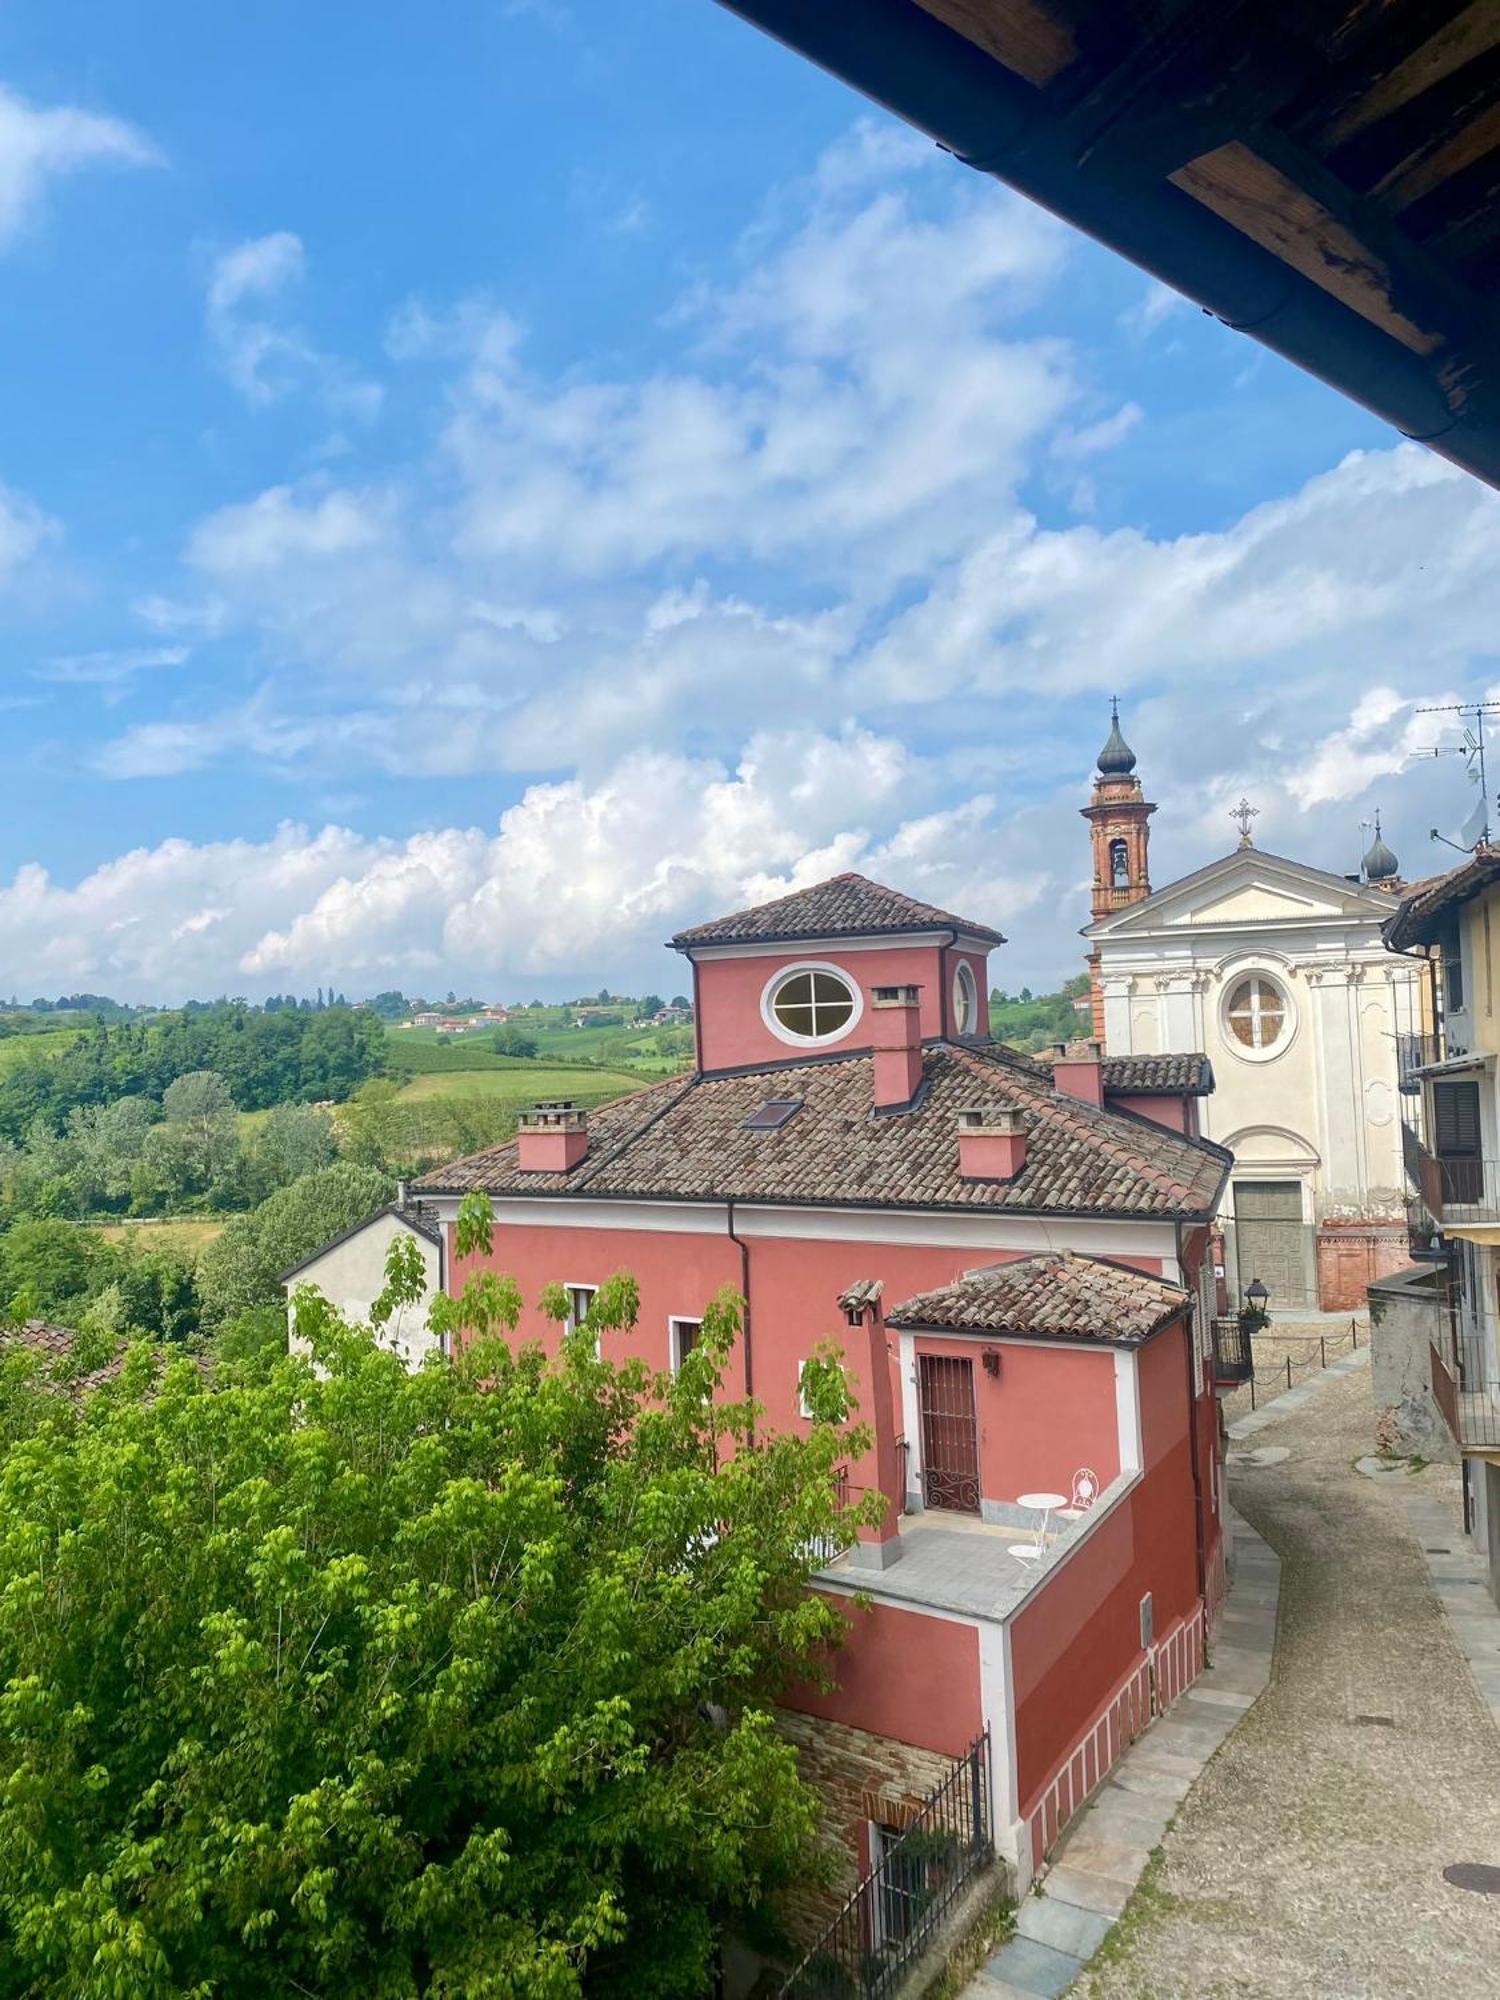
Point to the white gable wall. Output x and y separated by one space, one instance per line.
351 1276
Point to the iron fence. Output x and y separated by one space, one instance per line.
1297 1357
918 1875
1234 1357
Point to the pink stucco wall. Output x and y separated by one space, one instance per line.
1174 1112
904 1675
731 1032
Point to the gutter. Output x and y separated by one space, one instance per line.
990 119
1192 1404
744 1249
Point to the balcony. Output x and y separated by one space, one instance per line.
1414 1053
1466 1386
1234 1358
1424 1240
1455 1188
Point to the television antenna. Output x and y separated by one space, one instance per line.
1475 831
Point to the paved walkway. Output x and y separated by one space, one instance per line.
1308 1859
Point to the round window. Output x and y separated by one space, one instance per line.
965 1001
811 1004
1256 1012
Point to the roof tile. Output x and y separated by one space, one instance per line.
1058 1295
846 906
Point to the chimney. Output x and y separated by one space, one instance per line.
896 1037
882 1466
1078 1071
553 1138
991 1144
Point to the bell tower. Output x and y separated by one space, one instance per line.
1119 822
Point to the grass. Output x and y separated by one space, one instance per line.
189 1233
16 1049
522 1083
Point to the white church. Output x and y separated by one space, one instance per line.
1276 972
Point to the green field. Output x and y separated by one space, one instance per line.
522 1083
188 1233
424 1052
45 1042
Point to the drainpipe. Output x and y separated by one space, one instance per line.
945 986
697 1022
744 1249
1192 1389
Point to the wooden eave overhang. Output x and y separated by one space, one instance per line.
1321 174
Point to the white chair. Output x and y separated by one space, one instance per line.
1085 1493
1026 1552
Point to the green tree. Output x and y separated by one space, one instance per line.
352 1681
295 1139
243 1268
509 1041
59 1265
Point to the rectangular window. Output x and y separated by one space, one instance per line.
802 1405
580 1305
1453 980
683 1337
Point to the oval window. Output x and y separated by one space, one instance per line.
812 1005
1256 1012
965 1001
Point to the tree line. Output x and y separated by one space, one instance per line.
287 1055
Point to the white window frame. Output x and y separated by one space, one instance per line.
575 1319
1243 1050
674 1348
965 986
780 977
802 1406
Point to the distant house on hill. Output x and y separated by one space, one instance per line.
428 1020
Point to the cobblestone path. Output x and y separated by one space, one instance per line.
1307 1861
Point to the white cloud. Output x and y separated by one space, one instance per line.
24 532
114 668
264 354
39 146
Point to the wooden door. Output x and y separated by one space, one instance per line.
950 1432
1271 1239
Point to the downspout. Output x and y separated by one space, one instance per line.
1192 1389
945 980
744 1249
697 1021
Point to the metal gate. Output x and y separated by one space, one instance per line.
1270 1239
950 1432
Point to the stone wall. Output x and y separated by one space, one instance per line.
1353 1255
861 1778
1403 1314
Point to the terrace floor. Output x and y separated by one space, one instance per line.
956 1562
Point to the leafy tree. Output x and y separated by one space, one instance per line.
509 1041
391 1005
243 1268
681 1000
295 1139
352 1681
652 1004
58 1265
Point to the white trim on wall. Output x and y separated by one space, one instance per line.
798 966
1128 1410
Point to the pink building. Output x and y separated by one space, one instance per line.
1012 1252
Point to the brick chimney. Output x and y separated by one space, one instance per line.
991 1144
896 1037
1078 1071
553 1138
882 1466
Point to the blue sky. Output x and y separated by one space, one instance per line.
481 486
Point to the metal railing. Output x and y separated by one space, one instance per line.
1424 1239
1413 1054
1465 1370
828 1548
920 1873
1456 1187
1234 1357
1281 1361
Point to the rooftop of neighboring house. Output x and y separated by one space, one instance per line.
845 906
54 1346
1425 912
1059 1295
1189 1075
413 1214
692 1139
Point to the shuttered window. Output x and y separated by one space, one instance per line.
1455 1108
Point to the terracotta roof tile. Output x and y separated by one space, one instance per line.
846 906
55 1345
1421 912
686 1139
1058 1295
1180 1075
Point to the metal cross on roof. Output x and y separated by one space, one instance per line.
1242 815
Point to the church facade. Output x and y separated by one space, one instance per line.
1276 972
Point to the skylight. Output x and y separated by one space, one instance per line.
773 1114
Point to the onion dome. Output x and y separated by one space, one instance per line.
1380 865
1116 759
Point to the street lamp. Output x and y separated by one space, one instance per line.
1256 1294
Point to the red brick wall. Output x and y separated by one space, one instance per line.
1351 1255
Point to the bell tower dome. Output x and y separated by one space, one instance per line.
1119 815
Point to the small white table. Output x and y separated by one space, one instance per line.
1043 1504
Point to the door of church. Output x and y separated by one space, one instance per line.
1270 1239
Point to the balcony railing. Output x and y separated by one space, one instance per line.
1413 1054
1424 1239
1456 1189
1466 1384
1234 1357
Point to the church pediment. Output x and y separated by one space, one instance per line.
1249 887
